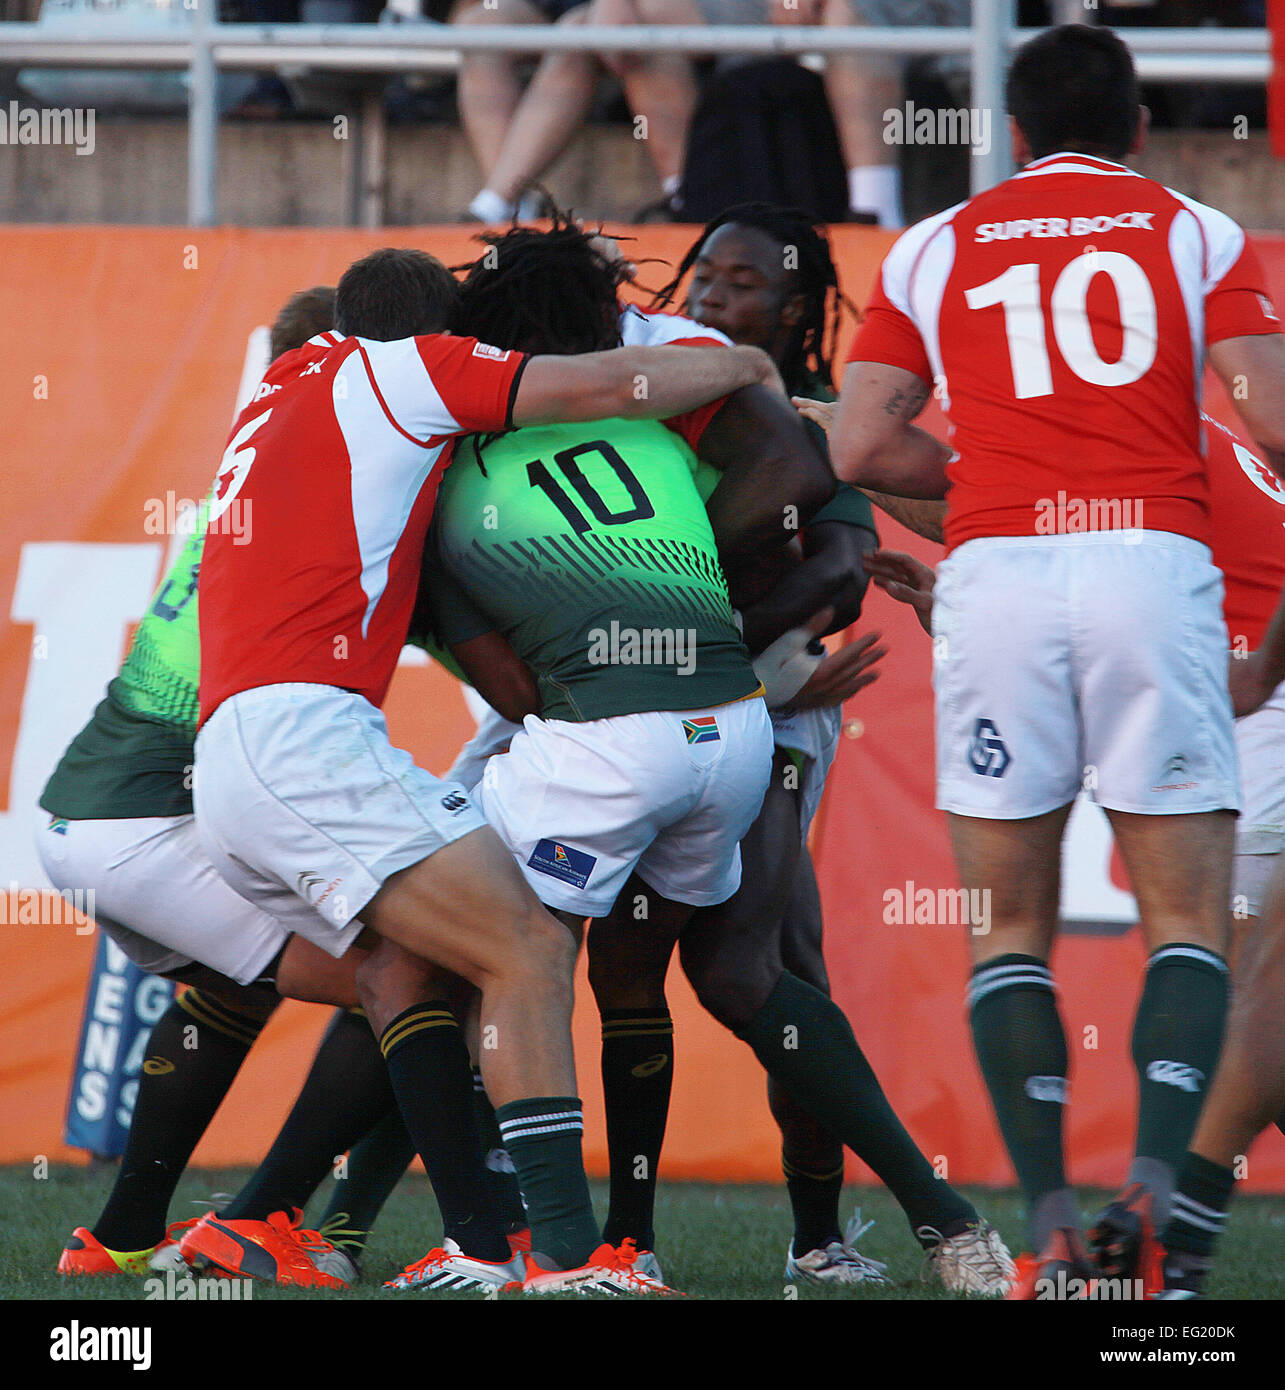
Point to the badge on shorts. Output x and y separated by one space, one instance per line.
702 730
562 862
988 754
58 825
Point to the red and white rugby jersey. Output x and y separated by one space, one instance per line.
639 329
1247 517
1063 316
335 465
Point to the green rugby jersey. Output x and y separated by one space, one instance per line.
588 547
134 758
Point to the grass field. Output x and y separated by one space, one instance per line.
715 1241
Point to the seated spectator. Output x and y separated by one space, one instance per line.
557 102
662 90
494 110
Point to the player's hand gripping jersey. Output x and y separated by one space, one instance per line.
589 549
1063 316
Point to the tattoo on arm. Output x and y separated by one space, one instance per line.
906 402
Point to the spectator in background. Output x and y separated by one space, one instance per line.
862 86
496 113
662 90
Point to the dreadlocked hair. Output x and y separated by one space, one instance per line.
810 350
538 291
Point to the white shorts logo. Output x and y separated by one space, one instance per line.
1179 1074
1049 1088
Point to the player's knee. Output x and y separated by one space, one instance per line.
624 980
730 990
542 949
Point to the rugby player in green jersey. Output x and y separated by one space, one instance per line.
578 575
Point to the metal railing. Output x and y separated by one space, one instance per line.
1161 55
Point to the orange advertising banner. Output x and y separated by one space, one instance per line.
124 354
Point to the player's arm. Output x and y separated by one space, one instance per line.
1253 678
874 444
775 478
923 516
832 576
498 675
636 383
1252 368
926 517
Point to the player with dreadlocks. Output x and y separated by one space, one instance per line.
763 274
628 956
573 572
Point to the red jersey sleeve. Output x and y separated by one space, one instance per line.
1238 305
692 425
887 335
475 382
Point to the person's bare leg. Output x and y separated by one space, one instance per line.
861 87
661 90
468 909
1246 1095
554 106
307 972
1014 868
1180 871
489 90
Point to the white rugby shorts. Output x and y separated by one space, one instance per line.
814 735
1095 662
305 807
158 896
668 793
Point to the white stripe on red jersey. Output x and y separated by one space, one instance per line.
1063 317
335 464
639 329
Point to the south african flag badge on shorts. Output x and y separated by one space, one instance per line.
702 730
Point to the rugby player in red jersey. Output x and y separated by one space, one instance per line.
1064 318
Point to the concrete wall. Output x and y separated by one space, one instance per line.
292 173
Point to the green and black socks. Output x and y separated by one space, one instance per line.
1021 1049
805 1042
1177 1036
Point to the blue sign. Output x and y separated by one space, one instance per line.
121 1006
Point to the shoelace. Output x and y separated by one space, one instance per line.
852 1233
435 1256
623 1257
291 1227
971 1248
175 1229
339 1235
